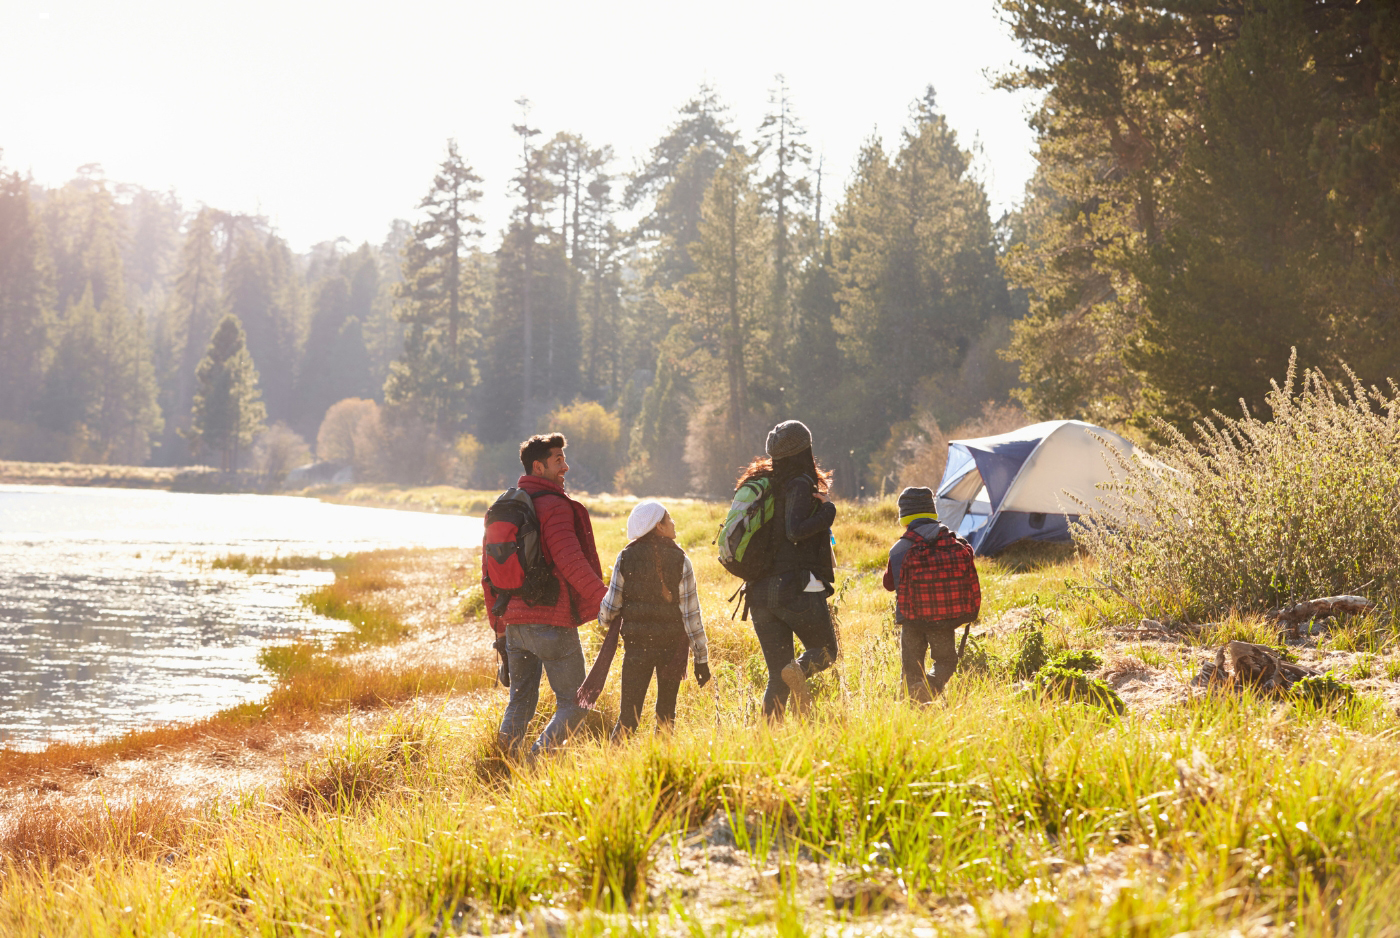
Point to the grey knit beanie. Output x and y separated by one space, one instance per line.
916 500
788 439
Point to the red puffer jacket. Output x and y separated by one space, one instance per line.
567 535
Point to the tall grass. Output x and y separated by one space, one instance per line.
1207 816
1258 513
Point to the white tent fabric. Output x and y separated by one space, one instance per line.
1028 483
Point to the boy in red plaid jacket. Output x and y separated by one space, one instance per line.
932 575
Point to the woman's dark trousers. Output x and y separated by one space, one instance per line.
639 660
805 618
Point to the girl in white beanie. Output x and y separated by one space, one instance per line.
652 600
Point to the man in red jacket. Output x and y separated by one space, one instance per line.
546 637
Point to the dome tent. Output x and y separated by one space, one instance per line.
998 490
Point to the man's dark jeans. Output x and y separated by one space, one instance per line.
939 640
558 653
639 661
805 617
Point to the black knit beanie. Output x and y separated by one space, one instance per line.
916 500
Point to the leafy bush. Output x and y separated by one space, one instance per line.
1030 655
1322 690
592 433
1069 684
1259 512
976 659
278 449
1078 660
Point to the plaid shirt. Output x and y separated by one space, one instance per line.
611 607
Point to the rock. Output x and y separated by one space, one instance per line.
716 831
864 896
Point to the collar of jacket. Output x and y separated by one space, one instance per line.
533 484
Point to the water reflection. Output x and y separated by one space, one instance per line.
111 618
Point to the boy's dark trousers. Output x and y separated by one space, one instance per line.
939 640
639 659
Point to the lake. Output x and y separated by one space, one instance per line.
111 616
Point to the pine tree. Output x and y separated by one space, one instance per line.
787 192
676 175
26 298
435 375
605 340
335 365
915 258
1237 282
152 246
100 390
196 305
1193 215
533 187
228 411
257 290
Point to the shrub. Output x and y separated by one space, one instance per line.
278 449
976 659
1322 690
1030 655
592 433
1078 660
1069 684
335 440
1258 512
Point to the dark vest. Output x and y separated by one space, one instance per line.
812 554
646 614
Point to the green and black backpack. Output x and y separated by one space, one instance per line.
746 536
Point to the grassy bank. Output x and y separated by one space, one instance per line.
203 479
996 811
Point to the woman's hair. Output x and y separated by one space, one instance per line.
783 469
656 558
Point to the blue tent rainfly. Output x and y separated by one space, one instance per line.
1026 484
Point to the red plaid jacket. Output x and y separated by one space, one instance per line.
934 578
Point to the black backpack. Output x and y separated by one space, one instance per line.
511 553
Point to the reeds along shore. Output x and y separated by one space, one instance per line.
992 812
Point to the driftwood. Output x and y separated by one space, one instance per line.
1241 664
1320 609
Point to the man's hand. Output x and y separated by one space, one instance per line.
702 673
503 672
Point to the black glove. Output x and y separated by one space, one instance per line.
503 672
702 673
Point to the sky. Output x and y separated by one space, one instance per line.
329 118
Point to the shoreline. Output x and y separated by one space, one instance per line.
202 479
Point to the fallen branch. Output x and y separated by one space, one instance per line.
1320 609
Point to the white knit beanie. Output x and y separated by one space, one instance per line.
644 517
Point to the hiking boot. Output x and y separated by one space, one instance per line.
797 683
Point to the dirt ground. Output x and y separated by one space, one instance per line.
1145 686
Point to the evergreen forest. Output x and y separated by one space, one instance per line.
1218 183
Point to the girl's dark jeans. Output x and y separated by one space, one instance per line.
639 660
807 618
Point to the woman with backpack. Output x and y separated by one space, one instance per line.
653 592
789 602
